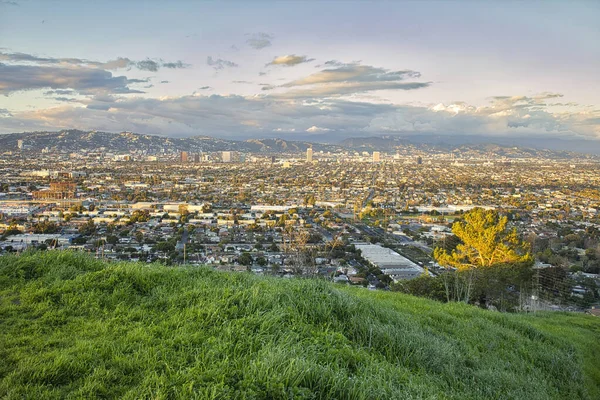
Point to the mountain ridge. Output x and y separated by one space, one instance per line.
78 140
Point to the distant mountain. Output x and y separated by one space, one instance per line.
124 142
76 140
566 146
472 146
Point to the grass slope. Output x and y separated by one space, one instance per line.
74 327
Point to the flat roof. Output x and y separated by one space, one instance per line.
386 258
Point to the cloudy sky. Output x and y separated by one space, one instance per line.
302 70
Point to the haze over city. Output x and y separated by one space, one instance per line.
302 70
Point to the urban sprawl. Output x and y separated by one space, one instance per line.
363 218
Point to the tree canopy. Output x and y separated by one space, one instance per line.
486 240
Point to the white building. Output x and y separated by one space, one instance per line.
309 154
389 262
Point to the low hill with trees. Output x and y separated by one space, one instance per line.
75 327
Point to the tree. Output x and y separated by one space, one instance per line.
45 227
88 228
261 261
486 242
112 239
245 258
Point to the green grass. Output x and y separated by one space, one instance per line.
74 327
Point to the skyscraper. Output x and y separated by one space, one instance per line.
309 154
419 160
196 158
376 156
226 156
184 156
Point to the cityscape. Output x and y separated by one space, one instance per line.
300 200
366 218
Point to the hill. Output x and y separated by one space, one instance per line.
74 327
467 146
76 140
73 140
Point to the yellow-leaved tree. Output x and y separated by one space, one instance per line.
486 241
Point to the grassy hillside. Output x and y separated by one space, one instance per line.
73 327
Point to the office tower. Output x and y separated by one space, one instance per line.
184 156
196 158
419 160
20 144
226 156
309 154
376 156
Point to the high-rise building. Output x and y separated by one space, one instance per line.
309 154
184 156
196 158
376 156
226 156
20 144
419 160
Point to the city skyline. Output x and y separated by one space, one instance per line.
263 69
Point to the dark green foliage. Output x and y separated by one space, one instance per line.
88 228
245 258
45 227
423 286
74 327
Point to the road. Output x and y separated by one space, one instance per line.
184 239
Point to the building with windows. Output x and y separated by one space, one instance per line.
309 154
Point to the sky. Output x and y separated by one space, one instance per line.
306 70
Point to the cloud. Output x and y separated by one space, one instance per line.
59 92
174 65
4 113
348 88
290 60
309 106
259 40
334 63
8 3
15 78
147 65
164 81
354 73
118 63
221 116
66 99
154 65
350 79
219 64
198 91
316 129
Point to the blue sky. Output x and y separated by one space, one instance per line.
302 69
